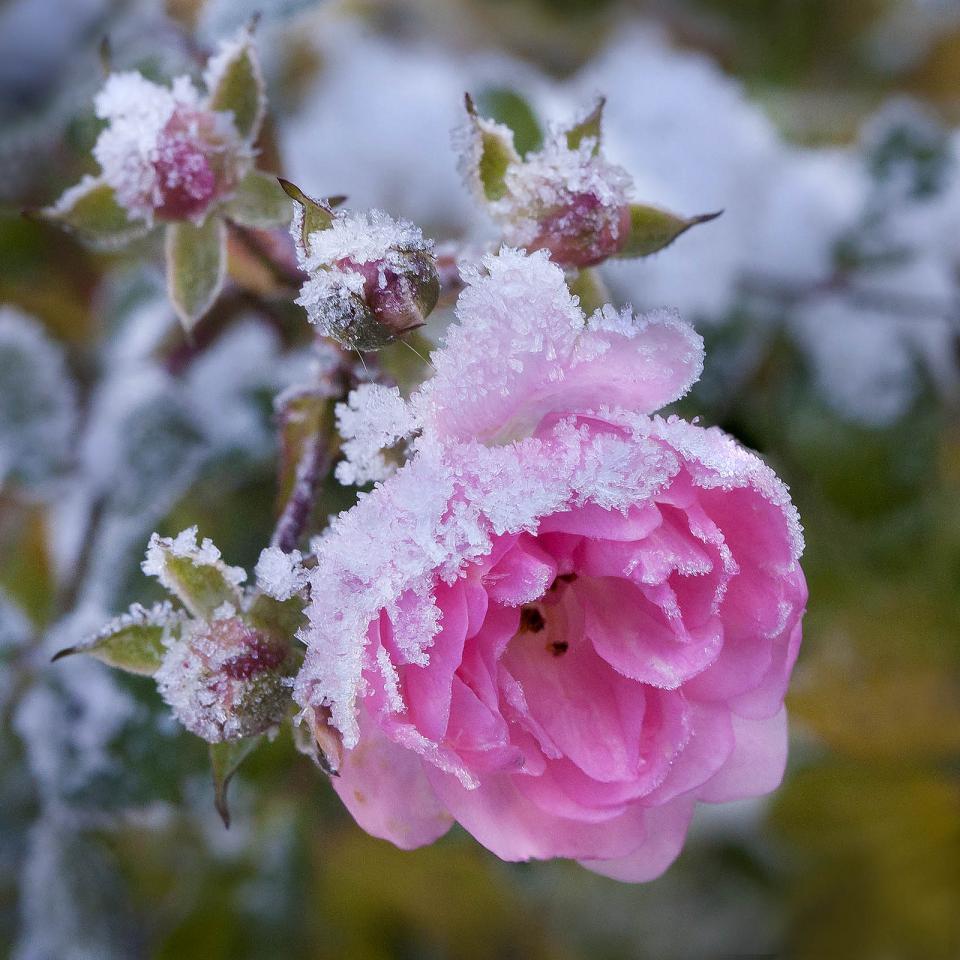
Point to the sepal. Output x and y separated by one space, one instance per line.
259 201
90 210
651 229
194 573
588 127
225 759
134 642
491 152
235 83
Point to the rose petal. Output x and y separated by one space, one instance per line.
384 788
756 763
666 829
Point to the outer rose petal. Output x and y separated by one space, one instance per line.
384 788
756 764
515 828
666 829
523 350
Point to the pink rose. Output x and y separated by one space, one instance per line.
563 621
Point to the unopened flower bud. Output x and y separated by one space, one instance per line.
372 279
564 198
165 153
582 231
571 203
224 680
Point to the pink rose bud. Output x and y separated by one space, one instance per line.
372 279
569 202
224 680
582 231
164 152
564 198
192 166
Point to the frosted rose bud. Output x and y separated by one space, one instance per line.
582 230
372 279
564 198
569 202
164 152
224 680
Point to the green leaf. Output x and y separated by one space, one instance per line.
652 229
259 201
133 642
589 126
317 214
196 263
225 760
495 152
235 83
507 107
194 574
91 211
278 618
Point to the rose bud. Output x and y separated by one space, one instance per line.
371 279
564 198
224 680
165 152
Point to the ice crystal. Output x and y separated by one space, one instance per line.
374 417
222 680
280 575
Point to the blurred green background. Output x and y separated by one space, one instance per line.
857 856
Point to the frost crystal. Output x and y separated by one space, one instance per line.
223 680
280 575
570 202
374 417
163 151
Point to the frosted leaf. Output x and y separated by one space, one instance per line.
134 641
374 417
37 401
280 575
193 572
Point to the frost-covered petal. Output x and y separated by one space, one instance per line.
523 350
